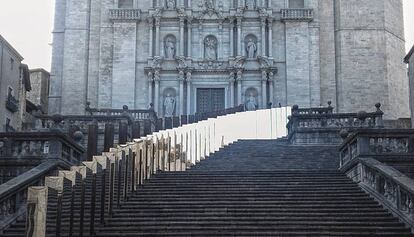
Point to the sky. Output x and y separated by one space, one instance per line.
27 25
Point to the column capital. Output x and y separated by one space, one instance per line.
263 21
157 21
182 21
239 21
239 75
180 76
157 76
150 21
231 77
264 75
188 75
270 20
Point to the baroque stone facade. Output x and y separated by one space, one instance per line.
185 56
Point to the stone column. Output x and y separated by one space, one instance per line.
181 3
188 93
157 80
151 36
264 87
231 81
231 27
181 80
157 36
263 24
189 37
220 39
270 21
271 78
239 34
239 87
200 35
150 80
181 36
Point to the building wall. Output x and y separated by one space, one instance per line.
349 53
369 51
409 59
10 77
39 94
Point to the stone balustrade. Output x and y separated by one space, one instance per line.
299 14
13 194
389 186
41 145
377 143
125 14
321 126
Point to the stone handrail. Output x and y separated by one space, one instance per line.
389 186
13 194
314 123
124 169
296 14
377 143
46 144
125 14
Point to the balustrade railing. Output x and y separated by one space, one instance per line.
389 186
41 145
13 194
298 14
125 14
320 125
112 177
377 143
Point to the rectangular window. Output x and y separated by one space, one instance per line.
296 4
11 64
125 4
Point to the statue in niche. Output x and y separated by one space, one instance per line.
210 48
251 102
250 4
169 104
170 48
170 4
251 48
209 4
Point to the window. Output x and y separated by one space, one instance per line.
125 4
11 64
10 92
296 4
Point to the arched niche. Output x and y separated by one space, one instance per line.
251 102
250 42
169 102
210 47
170 46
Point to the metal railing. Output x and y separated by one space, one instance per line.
127 167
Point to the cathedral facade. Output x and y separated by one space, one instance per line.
187 56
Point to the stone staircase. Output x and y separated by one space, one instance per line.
250 188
